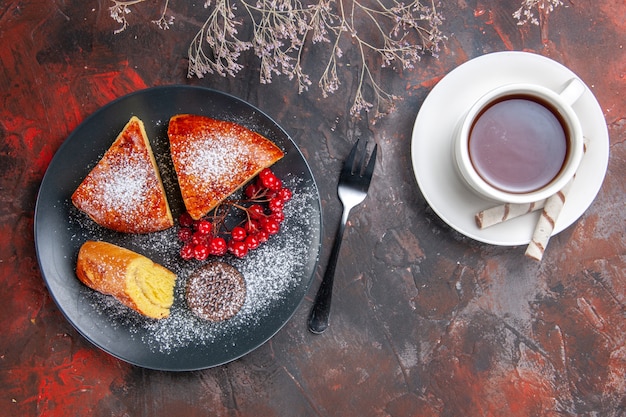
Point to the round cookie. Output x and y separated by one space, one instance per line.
216 291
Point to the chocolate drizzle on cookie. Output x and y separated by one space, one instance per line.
216 291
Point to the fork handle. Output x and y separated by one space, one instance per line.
318 320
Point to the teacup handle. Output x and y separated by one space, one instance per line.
572 91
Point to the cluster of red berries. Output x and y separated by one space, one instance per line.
263 204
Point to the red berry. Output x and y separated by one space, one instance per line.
266 172
279 216
271 226
185 220
269 182
262 236
285 194
204 227
186 252
217 246
201 252
277 185
256 211
251 226
251 190
184 234
238 233
268 179
252 242
199 239
239 249
276 204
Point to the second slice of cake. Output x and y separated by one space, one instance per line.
214 158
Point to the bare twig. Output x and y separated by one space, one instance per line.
389 33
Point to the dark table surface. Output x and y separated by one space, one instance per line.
425 321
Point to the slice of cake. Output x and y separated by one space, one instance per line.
213 158
133 279
124 191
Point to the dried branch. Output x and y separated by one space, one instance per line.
121 8
386 33
219 36
525 14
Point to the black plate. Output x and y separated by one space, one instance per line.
278 274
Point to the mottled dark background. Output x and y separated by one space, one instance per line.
426 322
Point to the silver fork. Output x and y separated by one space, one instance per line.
354 181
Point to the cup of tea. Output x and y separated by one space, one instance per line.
520 143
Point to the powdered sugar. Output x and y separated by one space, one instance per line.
213 159
123 186
272 273
126 185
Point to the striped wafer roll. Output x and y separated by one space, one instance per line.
498 214
546 223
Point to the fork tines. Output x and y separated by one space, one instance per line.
358 165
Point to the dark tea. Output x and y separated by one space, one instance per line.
518 144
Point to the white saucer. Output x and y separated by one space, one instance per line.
431 146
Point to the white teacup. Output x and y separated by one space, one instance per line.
520 143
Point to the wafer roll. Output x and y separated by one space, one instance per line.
545 225
498 214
